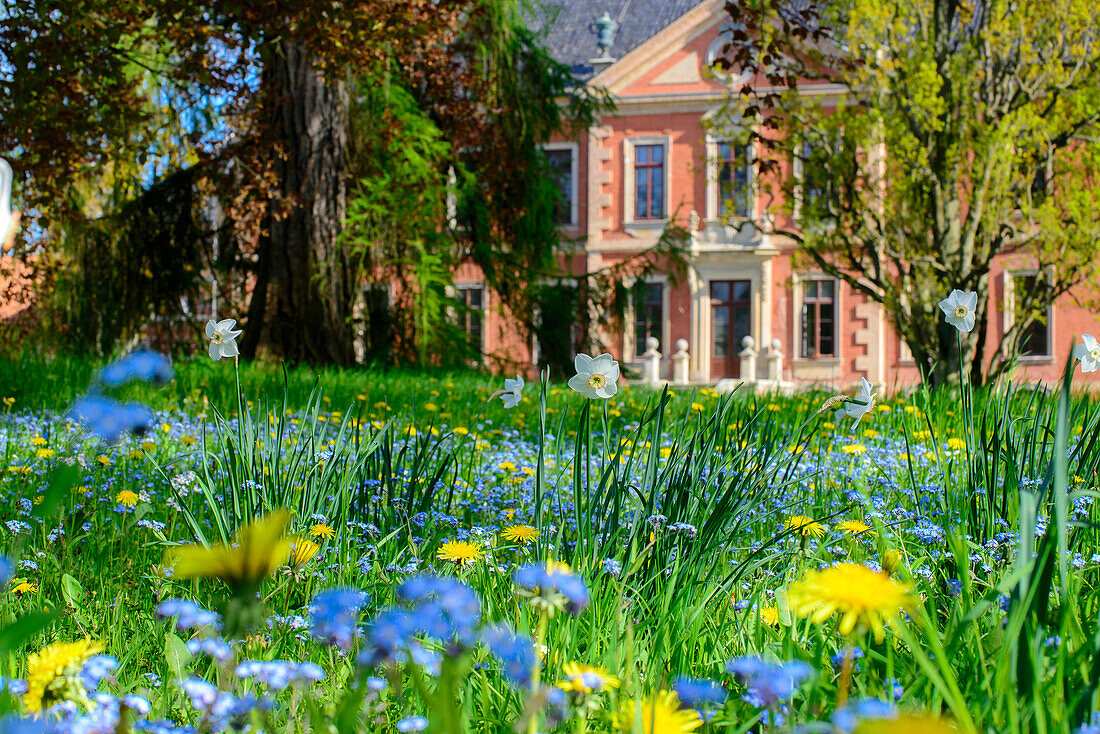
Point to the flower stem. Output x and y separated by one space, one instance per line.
536 674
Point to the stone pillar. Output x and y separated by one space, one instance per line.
775 362
651 369
748 359
680 363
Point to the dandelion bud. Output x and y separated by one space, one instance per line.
891 562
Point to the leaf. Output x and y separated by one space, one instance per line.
72 591
176 654
14 635
62 481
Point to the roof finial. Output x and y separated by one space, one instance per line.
605 34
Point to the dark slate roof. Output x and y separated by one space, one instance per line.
569 34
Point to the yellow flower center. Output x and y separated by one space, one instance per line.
217 338
960 311
597 381
1095 353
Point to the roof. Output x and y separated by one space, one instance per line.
571 38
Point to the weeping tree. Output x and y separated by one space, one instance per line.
264 92
928 139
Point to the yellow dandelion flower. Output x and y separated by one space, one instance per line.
769 616
853 449
659 714
864 598
127 498
38 441
22 587
104 460
253 553
585 679
51 668
302 551
459 552
320 530
906 724
523 534
956 444
853 527
805 526
45 453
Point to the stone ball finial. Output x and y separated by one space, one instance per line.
776 344
748 342
682 345
651 344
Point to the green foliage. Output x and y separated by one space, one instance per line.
133 264
952 135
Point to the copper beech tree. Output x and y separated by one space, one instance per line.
258 98
928 137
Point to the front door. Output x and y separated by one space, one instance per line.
731 316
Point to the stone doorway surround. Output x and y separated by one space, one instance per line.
727 262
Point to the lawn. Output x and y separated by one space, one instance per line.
300 550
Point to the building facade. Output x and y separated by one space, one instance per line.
653 160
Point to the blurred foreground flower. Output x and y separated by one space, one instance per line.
767 682
584 679
144 364
109 419
516 653
865 599
958 308
53 674
552 587
659 714
254 552
335 616
223 338
597 377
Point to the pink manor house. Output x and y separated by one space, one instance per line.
742 312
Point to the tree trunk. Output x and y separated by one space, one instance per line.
305 282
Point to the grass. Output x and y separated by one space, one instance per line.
672 507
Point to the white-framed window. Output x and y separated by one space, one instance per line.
817 311
563 161
646 316
1036 342
647 164
471 318
730 181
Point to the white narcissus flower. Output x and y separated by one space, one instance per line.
596 377
1088 353
959 308
865 405
223 338
9 218
513 392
